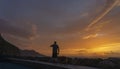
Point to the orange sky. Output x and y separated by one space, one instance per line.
82 28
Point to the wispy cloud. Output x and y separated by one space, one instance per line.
7 28
94 31
110 4
118 3
90 36
34 31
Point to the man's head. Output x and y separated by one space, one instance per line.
55 42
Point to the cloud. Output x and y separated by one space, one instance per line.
59 20
112 53
95 31
118 3
90 36
101 51
7 28
80 51
85 14
110 4
34 32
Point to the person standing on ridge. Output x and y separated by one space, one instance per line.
55 50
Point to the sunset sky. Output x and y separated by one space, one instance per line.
82 28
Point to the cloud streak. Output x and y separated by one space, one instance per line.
109 6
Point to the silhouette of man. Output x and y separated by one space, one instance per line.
55 50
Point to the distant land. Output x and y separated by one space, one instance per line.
9 49
30 53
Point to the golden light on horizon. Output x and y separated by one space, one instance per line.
100 51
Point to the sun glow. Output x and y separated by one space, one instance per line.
100 51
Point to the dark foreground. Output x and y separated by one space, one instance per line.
13 63
7 65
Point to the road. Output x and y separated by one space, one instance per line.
66 66
6 65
